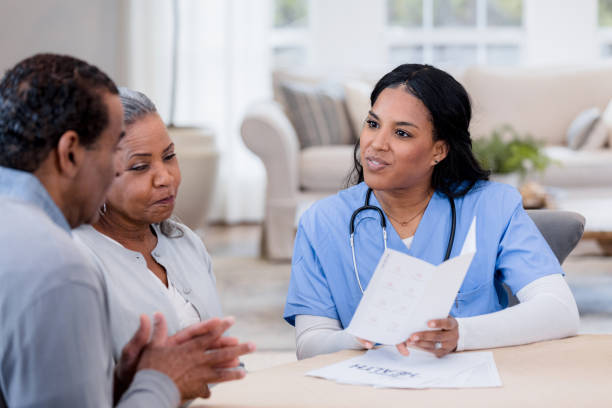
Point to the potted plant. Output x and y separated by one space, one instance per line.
510 156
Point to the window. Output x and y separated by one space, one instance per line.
502 54
289 33
455 32
504 13
288 56
454 13
604 13
449 54
604 18
399 55
405 13
290 13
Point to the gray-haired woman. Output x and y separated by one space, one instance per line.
149 262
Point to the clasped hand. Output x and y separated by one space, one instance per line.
192 358
439 342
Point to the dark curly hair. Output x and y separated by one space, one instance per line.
44 96
450 113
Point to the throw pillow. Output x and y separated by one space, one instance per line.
580 127
606 118
597 137
318 114
358 103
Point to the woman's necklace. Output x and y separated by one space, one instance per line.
406 223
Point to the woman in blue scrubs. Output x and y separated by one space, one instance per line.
414 153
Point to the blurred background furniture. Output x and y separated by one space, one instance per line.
562 230
596 206
542 102
198 160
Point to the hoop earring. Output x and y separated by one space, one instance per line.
103 209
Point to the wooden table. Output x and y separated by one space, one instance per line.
573 372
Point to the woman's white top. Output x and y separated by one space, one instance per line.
133 289
408 241
185 311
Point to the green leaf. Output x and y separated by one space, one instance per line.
505 151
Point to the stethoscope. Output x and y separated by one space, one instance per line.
383 224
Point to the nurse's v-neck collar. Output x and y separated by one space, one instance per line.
424 232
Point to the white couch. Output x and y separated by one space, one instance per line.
541 102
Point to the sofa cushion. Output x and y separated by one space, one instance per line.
581 127
318 114
606 118
358 102
325 167
577 168
597 138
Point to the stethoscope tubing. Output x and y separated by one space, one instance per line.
383 225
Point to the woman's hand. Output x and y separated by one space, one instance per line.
365 343
439 342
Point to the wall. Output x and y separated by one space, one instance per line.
89 29
561 32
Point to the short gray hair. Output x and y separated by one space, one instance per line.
136 105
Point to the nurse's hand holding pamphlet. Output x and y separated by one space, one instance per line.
416 189
447 334
407 298
439 342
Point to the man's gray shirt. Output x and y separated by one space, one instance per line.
55 344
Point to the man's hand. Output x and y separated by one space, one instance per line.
195 356
440 342
130 355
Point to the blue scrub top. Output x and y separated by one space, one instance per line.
509 249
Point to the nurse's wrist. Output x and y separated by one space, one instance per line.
356 343
461 330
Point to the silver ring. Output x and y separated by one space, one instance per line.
438 345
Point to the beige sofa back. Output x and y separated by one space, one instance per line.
542 102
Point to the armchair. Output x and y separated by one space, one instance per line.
295 177
561 229
268 133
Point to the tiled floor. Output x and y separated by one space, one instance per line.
253 290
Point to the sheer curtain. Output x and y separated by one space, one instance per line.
223 67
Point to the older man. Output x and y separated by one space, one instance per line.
60 122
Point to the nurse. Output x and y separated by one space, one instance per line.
414 153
